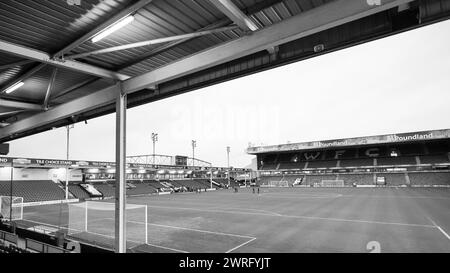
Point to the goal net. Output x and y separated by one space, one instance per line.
273 184
278 184
94 221
330 183
11 207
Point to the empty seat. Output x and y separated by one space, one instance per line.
33 190
430 178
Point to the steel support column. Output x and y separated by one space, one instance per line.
120 196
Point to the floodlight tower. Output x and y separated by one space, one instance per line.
154 139
194 144
228 164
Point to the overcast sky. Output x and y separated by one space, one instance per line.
393 85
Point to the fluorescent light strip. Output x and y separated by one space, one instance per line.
14 87
114 27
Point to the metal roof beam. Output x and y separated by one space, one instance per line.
225 21
307 23
228 8
20 105
10 113
151 42
11 65
49 88
66 110
45 58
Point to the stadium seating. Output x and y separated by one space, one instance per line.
429 178
434 159
207 183
269 166
394 179
141 188
78 191
33 191
291 165
401 160
356 162
265 180
358 179
12 249
191 184
322 164
107 190
311 179
224 182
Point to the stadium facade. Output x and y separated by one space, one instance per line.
405 159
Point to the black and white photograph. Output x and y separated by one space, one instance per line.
216 135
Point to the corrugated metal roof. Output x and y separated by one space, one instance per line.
51 25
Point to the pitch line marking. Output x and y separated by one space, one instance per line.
304 195
241 245
192 229
109 236
299 217
439 228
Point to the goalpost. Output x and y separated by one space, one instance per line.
330 183
11 207
96 219
274 184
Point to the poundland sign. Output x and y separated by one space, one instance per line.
408 137
380 139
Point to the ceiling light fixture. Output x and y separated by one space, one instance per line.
112 28
14 87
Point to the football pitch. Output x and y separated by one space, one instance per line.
276 220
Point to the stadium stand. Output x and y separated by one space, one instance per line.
401 160
269 166
311 179
33 191
11 249
356 162
429 178
291 165
78 191
141 188
106 189
322 164
191 184
434 159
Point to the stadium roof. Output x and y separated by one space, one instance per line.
61 77
356 141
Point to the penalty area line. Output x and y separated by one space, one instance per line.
439 228
241 245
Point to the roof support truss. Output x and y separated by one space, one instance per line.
20 105
49 88
228 8
45 58
313 21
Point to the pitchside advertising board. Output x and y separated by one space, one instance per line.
49 163
381 139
